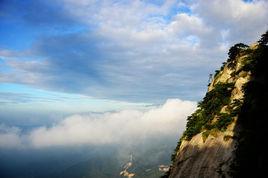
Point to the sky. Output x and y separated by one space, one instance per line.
111 56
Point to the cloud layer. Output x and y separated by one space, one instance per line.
124 127
127 50
9 137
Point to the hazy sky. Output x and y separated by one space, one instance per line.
110 57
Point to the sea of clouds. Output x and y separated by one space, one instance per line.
118 127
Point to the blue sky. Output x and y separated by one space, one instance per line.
112 55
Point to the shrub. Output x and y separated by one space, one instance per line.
174 154
264 39
224 120
216 73
235 50
208 108
205 135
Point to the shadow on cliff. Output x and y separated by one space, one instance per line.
251 128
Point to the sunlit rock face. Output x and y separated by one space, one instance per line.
210 157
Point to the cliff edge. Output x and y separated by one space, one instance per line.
224 129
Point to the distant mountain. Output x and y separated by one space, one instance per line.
225 135
99 167
109 166
104 161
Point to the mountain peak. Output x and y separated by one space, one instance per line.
216 132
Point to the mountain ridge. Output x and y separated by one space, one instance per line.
216 140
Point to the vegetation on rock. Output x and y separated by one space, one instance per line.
218 108
208 109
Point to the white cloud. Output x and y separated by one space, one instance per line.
127 126
139 43
9 137
244 21
155 36
185 25
118 127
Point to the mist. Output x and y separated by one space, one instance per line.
95 144
122 127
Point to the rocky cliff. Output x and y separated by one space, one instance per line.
222 132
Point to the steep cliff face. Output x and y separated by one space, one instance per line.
215 136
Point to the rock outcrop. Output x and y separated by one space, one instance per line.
213 149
